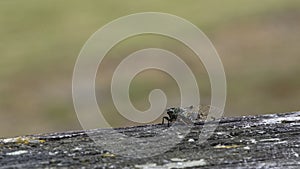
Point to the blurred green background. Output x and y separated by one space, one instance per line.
258 42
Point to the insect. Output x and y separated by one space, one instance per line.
189 115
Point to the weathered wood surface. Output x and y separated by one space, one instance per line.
269 141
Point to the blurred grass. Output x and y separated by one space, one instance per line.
40 41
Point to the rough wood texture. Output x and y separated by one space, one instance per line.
268 141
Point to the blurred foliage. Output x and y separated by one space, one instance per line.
258 42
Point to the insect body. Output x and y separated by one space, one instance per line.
173 114
188 115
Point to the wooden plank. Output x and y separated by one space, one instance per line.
267 141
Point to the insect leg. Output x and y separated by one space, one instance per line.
163 120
